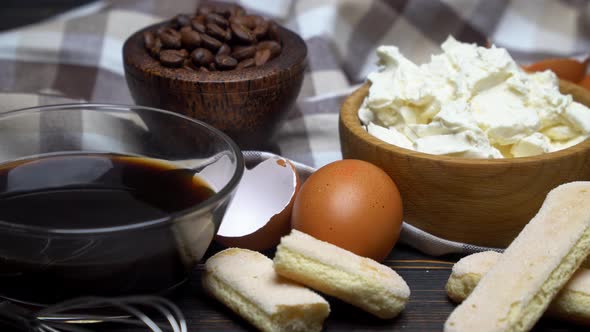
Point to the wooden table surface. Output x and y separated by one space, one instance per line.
427 310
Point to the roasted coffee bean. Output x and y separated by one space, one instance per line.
190 38
262 57
247 63
248 21
261 29
228 34
225 49
149 39
216 31
225 62
242 33
203 69
201 57
273 32
183 20
273 46
221 37
188 64
257 19
173 24
170 38
216 19
198 26
183 30
210 42
172 58
201 19
222 10
243 52
156 48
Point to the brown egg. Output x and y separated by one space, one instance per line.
352 204
565 68
585 82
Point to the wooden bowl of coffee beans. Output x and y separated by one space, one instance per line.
240 73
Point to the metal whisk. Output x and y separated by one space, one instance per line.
152 312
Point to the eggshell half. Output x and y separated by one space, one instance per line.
259 214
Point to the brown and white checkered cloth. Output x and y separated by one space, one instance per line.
76 56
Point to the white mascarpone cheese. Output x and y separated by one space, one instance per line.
471 102
534 144
391 136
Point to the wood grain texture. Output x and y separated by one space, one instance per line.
249 105
427 309
481 202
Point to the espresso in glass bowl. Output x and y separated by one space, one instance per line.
95 201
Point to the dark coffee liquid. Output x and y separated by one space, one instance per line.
95 190
83 192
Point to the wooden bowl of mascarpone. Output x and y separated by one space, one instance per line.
482 202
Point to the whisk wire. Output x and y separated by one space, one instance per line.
65 327
139 314
179 323
45 328
167 314
62 316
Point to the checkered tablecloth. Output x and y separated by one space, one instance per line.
76 56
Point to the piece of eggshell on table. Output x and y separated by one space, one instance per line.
565 68
260 212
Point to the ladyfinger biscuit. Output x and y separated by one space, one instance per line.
571 304
537 264
327 268
246 282
467 273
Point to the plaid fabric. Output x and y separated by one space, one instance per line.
77 56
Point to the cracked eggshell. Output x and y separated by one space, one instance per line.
260 212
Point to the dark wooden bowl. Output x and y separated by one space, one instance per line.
249 105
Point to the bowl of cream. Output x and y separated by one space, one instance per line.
472 140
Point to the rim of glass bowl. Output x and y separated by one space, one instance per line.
221 194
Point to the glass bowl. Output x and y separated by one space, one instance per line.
42 264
